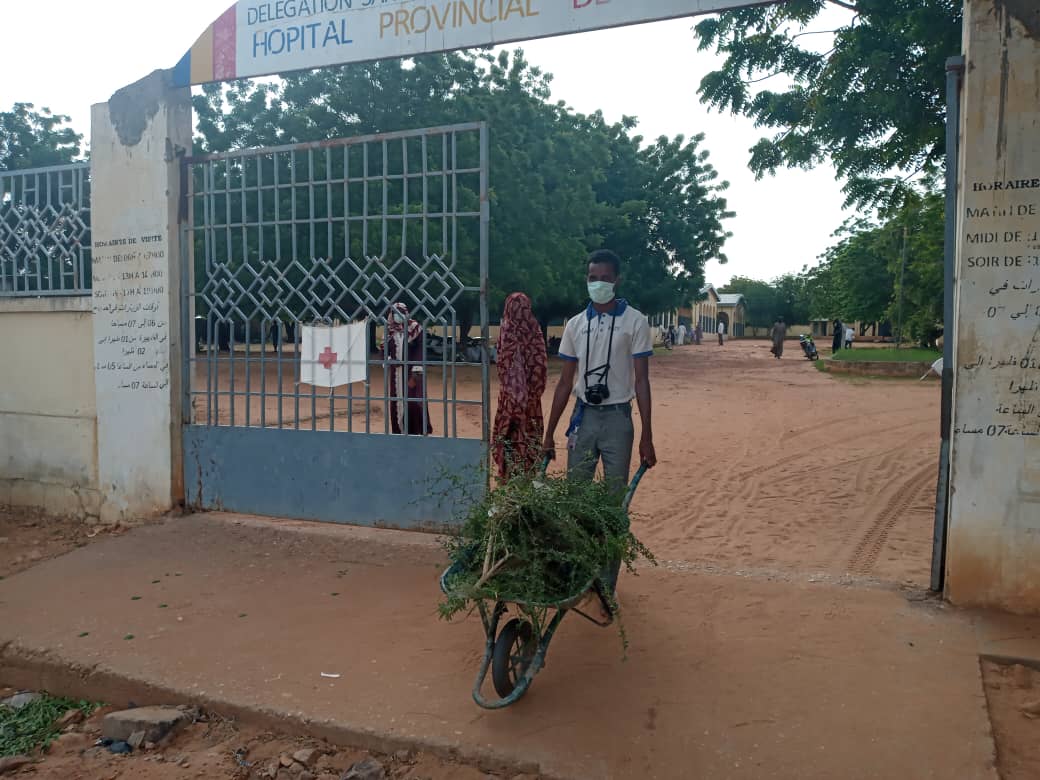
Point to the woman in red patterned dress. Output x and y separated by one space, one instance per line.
518 431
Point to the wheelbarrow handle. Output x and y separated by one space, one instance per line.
634 484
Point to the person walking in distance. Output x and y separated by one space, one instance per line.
606 351
721 330
850 335
839 336
778 334
681 337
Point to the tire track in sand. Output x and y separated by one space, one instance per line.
867 552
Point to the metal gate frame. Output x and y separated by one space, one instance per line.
940 529
45 246
271 464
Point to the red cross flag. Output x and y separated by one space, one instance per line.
334 355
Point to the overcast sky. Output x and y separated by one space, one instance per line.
69 54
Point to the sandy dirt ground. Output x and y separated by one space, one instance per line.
1013 693
765 465
773 465
785 633
727 676
27 538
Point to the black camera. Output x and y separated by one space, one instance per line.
597 394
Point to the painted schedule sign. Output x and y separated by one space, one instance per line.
131 301
999 351
264 37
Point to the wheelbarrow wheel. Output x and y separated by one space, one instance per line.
514 650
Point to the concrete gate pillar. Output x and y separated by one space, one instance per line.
135 182
993 553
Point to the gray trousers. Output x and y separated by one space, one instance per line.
607 433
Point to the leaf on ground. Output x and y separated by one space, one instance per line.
32 727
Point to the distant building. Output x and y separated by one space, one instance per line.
732 310
707 311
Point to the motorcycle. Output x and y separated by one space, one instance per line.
809 347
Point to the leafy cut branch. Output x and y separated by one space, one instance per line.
538 541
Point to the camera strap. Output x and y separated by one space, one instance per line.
604 370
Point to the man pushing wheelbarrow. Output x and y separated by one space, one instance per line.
540 547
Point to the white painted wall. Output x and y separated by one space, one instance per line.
48 422
135 180
993 557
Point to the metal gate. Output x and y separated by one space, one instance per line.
45 231
282 241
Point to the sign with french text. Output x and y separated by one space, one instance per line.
264 37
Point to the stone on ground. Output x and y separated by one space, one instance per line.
369 769
20 700
137 739
70 718
155 722
307 756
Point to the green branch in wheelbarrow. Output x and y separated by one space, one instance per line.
537 540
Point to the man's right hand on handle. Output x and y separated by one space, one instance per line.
549 447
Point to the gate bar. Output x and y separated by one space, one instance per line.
336 142
954 76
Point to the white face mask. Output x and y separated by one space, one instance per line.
399 317
601 292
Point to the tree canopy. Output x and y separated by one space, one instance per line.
872 102
562 183
34 139
783 297
860 276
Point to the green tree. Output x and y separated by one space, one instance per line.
821 292
861 267
923 281
792 299
763 300
562 183
871 99
34 139
859 277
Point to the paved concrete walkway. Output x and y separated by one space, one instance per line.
727 677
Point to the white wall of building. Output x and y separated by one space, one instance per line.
48 417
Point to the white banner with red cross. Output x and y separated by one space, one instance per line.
334 355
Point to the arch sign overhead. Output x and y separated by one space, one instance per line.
264 37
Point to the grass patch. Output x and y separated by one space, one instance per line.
889 355
33 726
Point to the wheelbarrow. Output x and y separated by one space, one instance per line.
516 654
